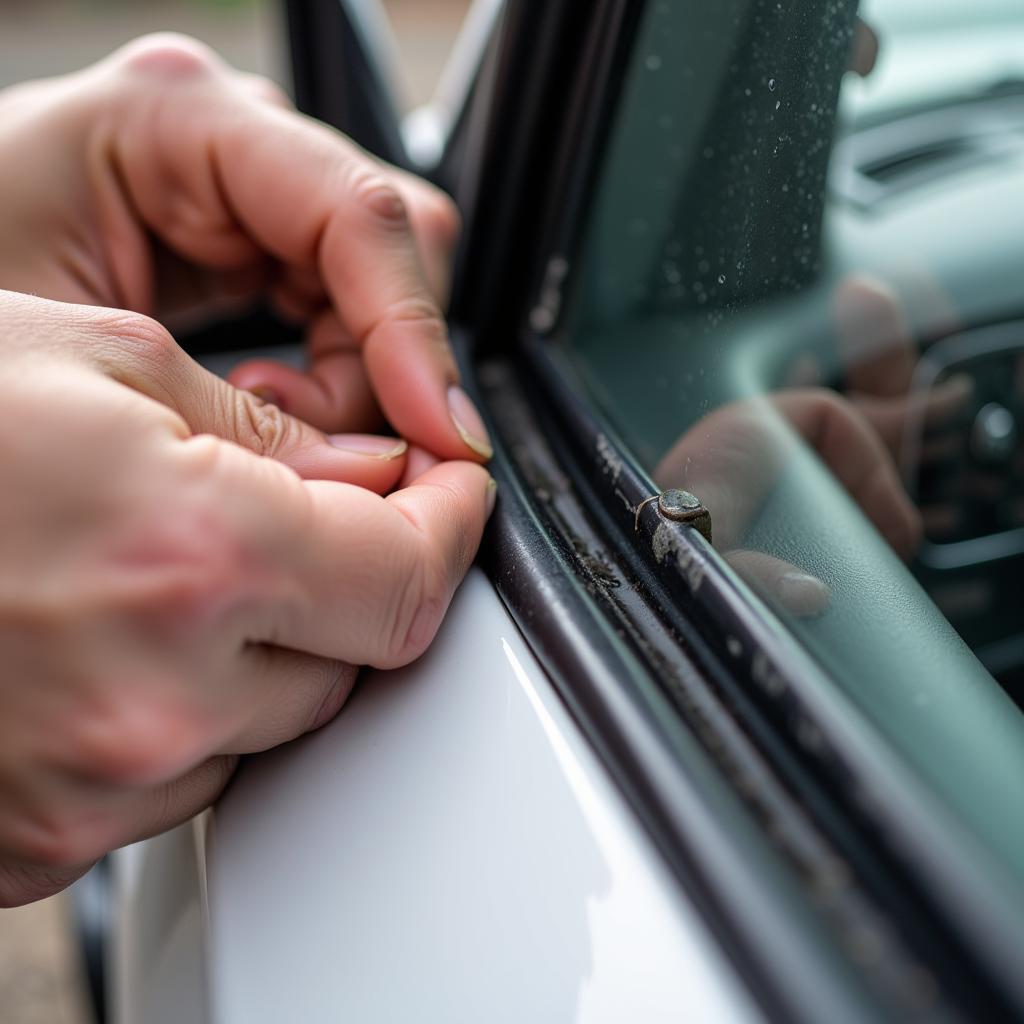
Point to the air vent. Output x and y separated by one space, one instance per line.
923 160
876 164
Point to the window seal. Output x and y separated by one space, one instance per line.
819 742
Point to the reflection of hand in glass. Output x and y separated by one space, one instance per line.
732 459
879 356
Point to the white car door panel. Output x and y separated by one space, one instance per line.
448 849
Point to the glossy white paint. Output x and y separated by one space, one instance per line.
449 850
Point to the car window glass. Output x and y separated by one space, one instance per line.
799 295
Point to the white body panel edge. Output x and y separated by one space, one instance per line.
448 850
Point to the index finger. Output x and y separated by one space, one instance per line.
335 208
224 171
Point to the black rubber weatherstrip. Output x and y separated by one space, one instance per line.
701 829
968 931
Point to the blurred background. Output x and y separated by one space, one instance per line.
40 974
46 37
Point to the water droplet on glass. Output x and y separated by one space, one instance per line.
778 103
771 84
721 278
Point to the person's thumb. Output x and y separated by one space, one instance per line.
144 356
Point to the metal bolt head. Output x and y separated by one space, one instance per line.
684 507
681 505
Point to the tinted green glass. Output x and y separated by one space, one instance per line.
798 297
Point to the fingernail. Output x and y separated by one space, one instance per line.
369 445
266 394
468 423
802 594
492 494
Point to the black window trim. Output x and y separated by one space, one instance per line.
826 745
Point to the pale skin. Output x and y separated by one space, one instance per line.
189 573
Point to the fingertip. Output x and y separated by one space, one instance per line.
802 594
782 583
466 498
469 475
469 423
415 378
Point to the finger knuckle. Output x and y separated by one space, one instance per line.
185 572
135 741
421 313
379 198
188 602
135 337
168 55
260 426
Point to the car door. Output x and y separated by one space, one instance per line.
712 311
694 740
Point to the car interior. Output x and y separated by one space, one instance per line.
804 262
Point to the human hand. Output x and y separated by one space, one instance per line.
164 182
733 457
169 599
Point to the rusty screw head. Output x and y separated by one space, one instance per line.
684 507
681 505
